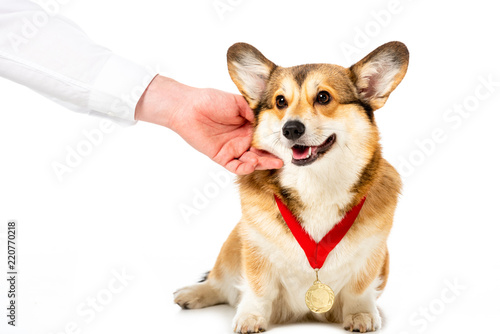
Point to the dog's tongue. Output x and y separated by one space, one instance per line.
300 152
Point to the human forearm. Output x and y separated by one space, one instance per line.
61 62
162 100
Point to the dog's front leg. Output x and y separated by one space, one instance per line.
359 308
258 291
360 312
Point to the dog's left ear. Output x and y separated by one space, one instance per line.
380 72
250 71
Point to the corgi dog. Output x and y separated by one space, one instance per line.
319 119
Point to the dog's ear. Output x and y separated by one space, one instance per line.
249 70
380 72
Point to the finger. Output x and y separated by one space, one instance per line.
262 153
236 147
263 160
249 157
245 110
266 160
239 167
269 163
250 161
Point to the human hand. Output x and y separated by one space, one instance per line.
216 123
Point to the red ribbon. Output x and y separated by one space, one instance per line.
318 252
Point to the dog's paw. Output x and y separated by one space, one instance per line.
362 322
249 323
195 296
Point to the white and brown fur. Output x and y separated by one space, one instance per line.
261 269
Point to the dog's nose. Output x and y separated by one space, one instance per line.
293 130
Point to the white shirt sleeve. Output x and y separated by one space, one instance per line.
51 55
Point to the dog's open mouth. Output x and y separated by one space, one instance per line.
306 155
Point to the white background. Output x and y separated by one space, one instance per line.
120 208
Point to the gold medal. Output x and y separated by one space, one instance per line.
319 297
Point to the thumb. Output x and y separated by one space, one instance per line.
244 109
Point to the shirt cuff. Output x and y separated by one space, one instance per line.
118 88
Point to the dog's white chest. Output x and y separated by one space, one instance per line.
317 222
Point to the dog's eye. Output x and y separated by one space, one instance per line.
323 97
281 102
